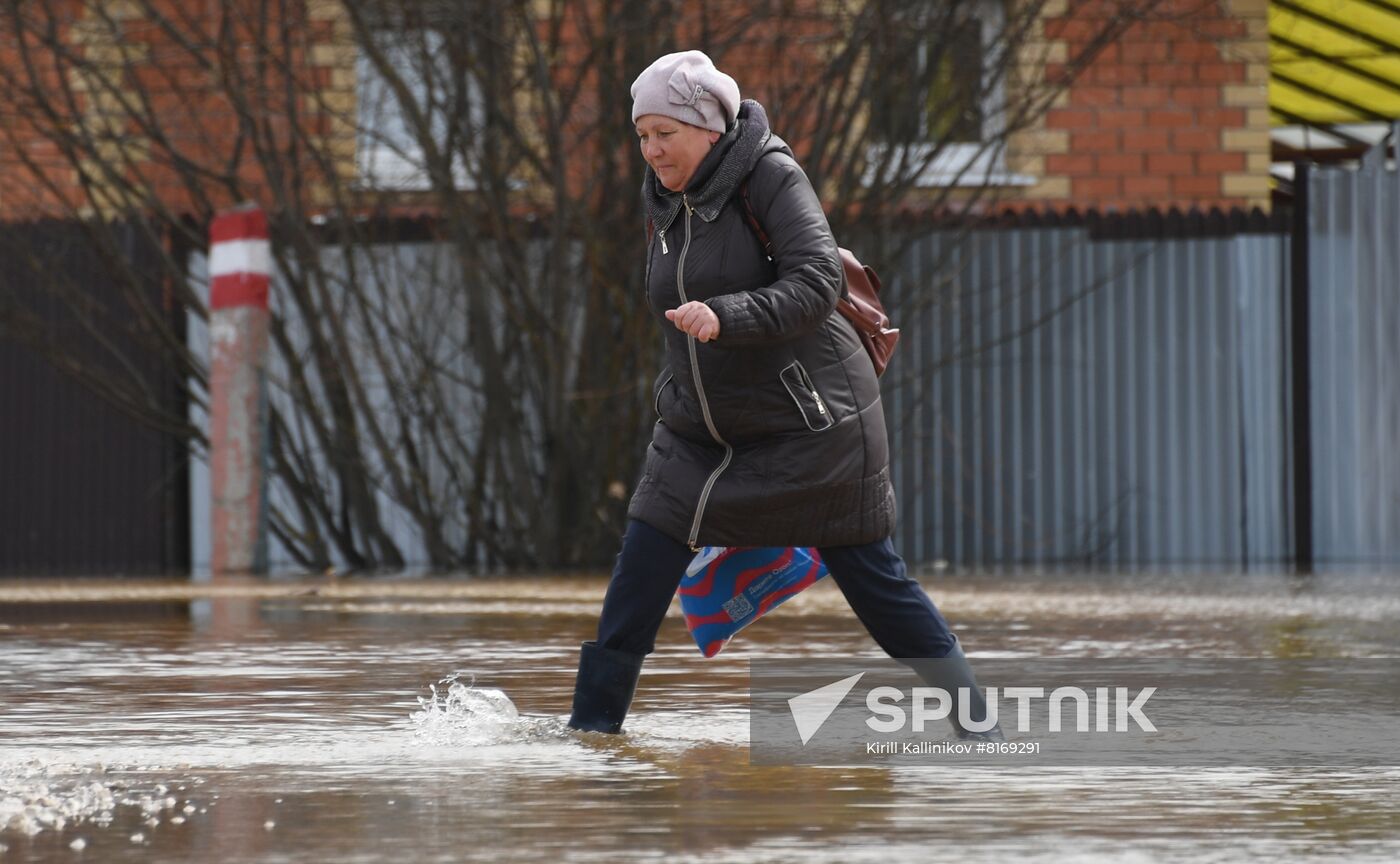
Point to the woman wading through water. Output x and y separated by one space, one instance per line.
770 430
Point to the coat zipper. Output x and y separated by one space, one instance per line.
700 391
811 385
656 403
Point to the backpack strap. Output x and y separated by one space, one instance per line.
753 220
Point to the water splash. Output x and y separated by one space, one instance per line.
35 797
462 713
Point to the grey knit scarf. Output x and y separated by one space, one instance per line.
718 175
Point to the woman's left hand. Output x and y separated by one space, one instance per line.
696 319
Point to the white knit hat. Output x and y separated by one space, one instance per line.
687 87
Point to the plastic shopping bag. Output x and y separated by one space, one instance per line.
727 588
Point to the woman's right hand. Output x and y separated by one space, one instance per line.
696 319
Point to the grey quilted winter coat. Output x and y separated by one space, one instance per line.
772 434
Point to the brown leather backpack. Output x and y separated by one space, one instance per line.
860 297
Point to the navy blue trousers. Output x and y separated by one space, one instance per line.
892 606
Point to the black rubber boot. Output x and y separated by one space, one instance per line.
607 678
952 673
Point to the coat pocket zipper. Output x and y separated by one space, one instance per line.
806 395
656 403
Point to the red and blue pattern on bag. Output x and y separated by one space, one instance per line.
727 588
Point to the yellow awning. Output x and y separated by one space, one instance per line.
1334 61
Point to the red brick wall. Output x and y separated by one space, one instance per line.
1172 113
118 67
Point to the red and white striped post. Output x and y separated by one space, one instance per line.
240 268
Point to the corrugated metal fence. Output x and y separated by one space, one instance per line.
1118 393
1354 304
1062 396
84 487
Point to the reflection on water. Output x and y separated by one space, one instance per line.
311 722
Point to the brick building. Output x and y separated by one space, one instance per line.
1172 111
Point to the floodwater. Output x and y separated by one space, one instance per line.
309 721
